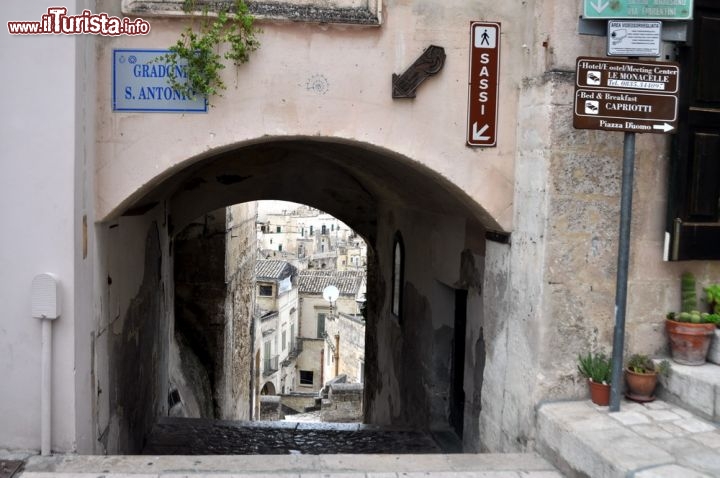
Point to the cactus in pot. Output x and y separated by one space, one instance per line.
690 331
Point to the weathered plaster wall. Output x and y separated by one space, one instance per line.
190 394
352 345
132 338
340 87
313 304
239 306
472 273
310 360
410 386
200 295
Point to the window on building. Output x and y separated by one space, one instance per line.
284 340
398 273
693 219
322 248
321 325
306 377
324 229
302 232
265 290
262 229
279 247
311 230
277 229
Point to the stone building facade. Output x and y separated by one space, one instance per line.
517 241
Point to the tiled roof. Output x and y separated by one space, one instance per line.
273 270
314 281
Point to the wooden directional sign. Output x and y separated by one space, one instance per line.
634 96
483 83
640 9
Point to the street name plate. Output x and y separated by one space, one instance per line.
633 38
140 84
641 9
483 83
635 96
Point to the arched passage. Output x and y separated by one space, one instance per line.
409 359
268 389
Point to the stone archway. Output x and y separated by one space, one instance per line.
268 389
409 359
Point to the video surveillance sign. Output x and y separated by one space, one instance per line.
633 38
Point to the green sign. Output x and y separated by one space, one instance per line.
641 9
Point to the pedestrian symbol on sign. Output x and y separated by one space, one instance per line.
485 37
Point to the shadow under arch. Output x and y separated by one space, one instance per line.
374 191
347 179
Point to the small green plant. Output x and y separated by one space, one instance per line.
712 296
639 363
197 52
595 366
690 312
688 293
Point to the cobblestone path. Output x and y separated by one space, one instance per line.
189 436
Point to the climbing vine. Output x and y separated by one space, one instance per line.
197 51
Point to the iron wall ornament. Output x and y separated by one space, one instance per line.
428 64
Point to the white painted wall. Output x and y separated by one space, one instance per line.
37 181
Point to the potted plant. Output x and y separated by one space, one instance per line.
690 331
597 368
712 297
641 375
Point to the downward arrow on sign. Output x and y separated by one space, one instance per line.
477 135
599 5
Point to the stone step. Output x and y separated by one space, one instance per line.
655 440
528 465
695 388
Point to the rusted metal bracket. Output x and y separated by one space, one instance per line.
428 64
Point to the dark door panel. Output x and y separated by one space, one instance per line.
694 202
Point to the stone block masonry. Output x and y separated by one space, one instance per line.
270 408
344 403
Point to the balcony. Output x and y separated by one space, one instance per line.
270 365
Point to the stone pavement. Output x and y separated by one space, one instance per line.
197 436
528 465
651 440
179 448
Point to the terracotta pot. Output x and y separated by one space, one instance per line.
599 393
689 343
640 386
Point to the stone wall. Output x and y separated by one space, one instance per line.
271 408
344 403
239 307
299 402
